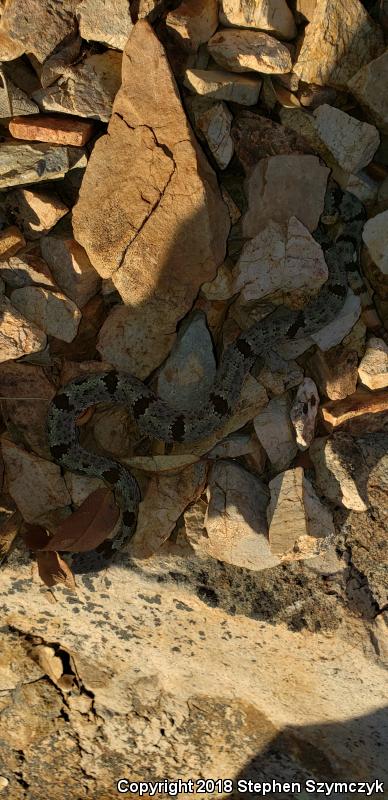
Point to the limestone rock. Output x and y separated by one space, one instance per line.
366 85
193 22
304 412
37 27
11 241
188 374
235 523
248 50
274 16
335 371
336 41
35 211
297 519
71 268
341 472
12 99
223 85
275 432
45 128
26 270
373 369
360 413
30 163
215 124
284 186
150 214
87 89
108 22
352 143
18 336
53 312
375 237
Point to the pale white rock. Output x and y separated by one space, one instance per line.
35 211
53 312
304 413
283 186
13 101
375 237
273 16
351 142
23 162
221 287
87 89
368 84
275 432
107 21
188 373
71 268
373 369
223 85
215 124
248 50
18 336
282 258
297 519
36 485
341 470
235 522
193 22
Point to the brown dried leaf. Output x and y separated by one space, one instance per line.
53 569
89 526
36 537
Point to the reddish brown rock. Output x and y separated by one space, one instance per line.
358 413
36 212
47 128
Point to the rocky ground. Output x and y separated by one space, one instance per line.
163 166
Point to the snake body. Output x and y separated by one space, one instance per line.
339 234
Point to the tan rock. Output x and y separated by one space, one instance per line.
223 85
26 270
340 469
130 341
306 8
150 214
193 22
247 50
373 370
366 85
215 124
375 237
284 186
87 89
26 393
360 412
352 143
18 336
108 22
12 99
59 130
274 16
336 42
11 241
52 311
22 163
71 268
37 27
297 520
335 371
35 211
275 432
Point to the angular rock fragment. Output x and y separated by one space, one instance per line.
18 336
367 85
25 270
304 412
247 50
37 27
273 16
193 22
55 129
215 123
13 100
22 163
275 432
352 143
11 241
35 211
375 237
373 369
188 374
223 85
52 311
71 268
26 394
359 413
335 371
257 137
341 471
107 21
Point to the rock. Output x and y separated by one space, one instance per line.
26 393
297 519
373 370
130 342
282 261
188 374
11 241
233 209
12 99
275 432
215 124
335 371
71 268
359 413
108 22
36 485
248 50
193 22
30 163
53 312
87 89
240 444
150 214
278 375
341 472
35 211
222 85
306 8
25 271
366 85
375 237
257 137
284 186
18 336
335 44
37 27
45 128
235 522
352 143
274 16
304 412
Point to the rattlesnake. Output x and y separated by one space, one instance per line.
339 234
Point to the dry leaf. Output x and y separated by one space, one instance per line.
89 526
36 537
53 569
